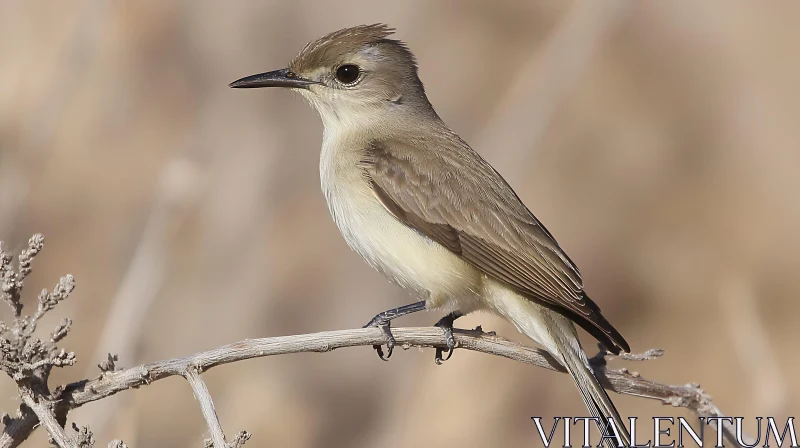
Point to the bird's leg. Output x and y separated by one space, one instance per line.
446 324
383 321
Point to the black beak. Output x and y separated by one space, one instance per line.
277 78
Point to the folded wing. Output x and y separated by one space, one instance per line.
447 192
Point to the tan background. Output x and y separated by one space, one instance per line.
659 143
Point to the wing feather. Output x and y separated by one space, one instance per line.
447 192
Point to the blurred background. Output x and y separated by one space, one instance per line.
659 143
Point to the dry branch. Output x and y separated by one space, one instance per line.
28 361
44 412
621 381
206 406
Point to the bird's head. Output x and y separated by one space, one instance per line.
351 76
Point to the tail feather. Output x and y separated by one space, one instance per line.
595 396
557 334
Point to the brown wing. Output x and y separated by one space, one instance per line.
447 192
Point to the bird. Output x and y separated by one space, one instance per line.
427 211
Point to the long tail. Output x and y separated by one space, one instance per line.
593 394
559 337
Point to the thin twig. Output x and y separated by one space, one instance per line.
77 394
207 406
44 412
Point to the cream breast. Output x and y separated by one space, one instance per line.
404 255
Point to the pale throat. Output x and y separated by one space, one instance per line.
349 118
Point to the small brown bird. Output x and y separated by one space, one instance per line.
427 211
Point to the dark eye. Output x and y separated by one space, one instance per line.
347 74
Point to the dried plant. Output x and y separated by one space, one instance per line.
28 360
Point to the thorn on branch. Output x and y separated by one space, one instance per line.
109 364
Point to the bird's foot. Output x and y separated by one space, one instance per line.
385 326
446 324
383 321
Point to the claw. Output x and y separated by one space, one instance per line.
389 343
383 321
439 352
446 324
385 326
